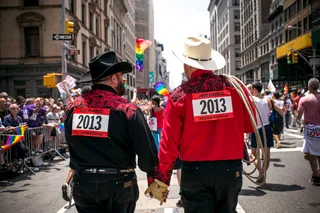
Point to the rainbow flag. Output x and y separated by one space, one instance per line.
61 126
286 89
141 46
20 129
161 89
137 102
11 140
293 95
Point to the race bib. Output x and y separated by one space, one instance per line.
34 116
90 122
210 106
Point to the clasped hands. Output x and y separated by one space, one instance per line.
159 190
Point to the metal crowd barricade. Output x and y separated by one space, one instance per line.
38 141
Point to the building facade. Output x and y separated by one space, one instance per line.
299 34
225 33
143 25
254 27
162 73
32 53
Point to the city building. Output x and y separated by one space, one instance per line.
162 74
143 27
254 27
225 33
28 51
130 47
300 39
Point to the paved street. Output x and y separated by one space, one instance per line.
287 188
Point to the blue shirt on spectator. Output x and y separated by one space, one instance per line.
10 121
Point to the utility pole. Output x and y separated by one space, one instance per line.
64 72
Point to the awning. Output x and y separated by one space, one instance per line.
299 43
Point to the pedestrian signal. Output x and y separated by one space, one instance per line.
289 58
69 27
50 80
295 58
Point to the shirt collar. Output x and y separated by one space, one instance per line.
199 72
104 87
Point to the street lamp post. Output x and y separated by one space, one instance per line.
313 48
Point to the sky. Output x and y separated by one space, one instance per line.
174 21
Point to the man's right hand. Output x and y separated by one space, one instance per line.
158 190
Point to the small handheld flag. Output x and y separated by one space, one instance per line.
161 89
11 140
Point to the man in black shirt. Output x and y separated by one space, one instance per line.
105 132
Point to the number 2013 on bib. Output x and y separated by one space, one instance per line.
90 122
210 106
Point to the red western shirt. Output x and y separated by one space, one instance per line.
207 140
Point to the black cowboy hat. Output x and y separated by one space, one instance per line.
103 65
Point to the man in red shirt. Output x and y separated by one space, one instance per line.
204 124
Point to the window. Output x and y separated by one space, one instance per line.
106 34
83 14
236 26
72 6
236 14
235 2
280 21
97 26
84 52
272 27
298 6
305 24
272 43
299 26
91 21
305 3
31 42
280 38
28 3
237 39
292 10
91 52
237 52
276 25
272 59
97 52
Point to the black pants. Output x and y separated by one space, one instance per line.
105 193
211 187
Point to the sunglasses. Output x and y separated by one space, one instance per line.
4 96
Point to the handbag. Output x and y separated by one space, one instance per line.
276 121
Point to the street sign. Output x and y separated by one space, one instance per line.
73 52
315 61
62 37
151 77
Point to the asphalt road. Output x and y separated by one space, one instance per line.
287 188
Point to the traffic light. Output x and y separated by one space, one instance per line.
69 27
124 82
289 58
50 80
295 58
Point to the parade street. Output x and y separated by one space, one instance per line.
287 189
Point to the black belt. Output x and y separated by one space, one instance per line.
107 171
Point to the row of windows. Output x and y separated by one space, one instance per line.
295 8
249 57
302 27
276 24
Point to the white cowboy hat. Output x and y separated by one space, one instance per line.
198 53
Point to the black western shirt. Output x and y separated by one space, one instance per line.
104 130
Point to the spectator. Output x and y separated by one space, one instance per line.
3 110
279 103
3 164
288 106
20 100
158 112
11 121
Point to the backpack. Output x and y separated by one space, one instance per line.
276 121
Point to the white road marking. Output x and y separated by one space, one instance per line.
296 149
65 207
239 209
294 135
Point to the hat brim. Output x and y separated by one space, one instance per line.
122 66
217 61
